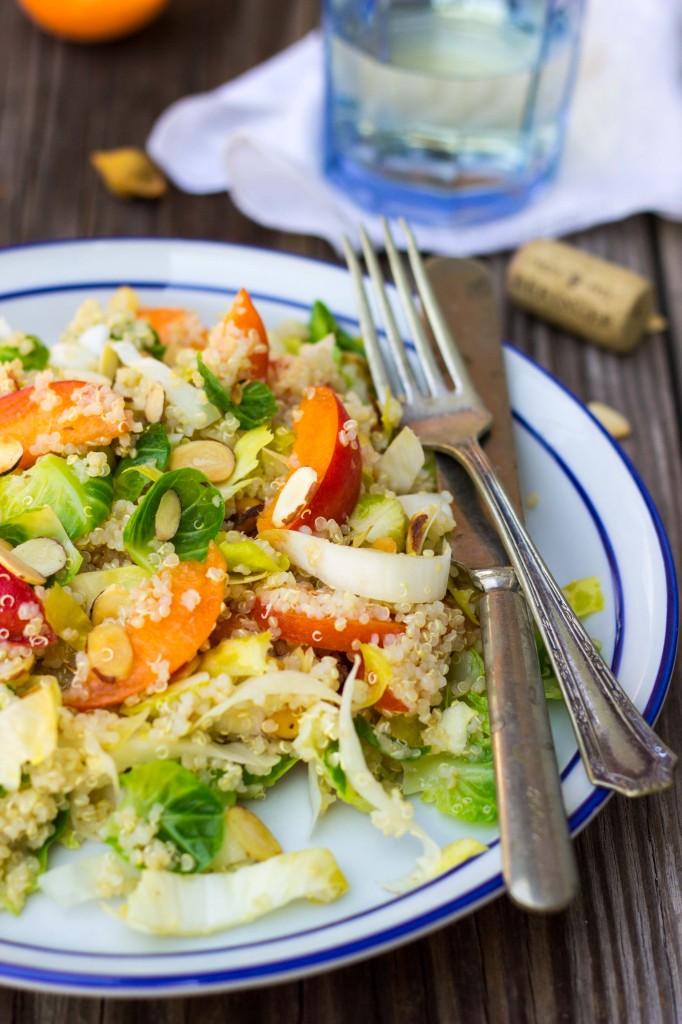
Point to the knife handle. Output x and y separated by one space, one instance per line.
619 748
538 862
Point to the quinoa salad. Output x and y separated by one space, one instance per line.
222 559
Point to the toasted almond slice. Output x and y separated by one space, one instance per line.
42 553
294 496
17 566
155 403
611 419
256 840
11 452
167 518
110 651
110 603
215 460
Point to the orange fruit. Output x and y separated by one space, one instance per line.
92 21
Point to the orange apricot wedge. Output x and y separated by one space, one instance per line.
46 418
242 320
163 646
333 458
176 328
298 628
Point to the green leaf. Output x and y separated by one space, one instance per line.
585 597
152 448
59 823
36 358
215 391
461 786
246 556
202 515
227 797
191 815
323 322
465 667
256 406
261 782
153 346
81 502
457 786
247 453
375 516
337 778
150 343
390 746
43 522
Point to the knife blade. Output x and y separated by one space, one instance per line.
537 857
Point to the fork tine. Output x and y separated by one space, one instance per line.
369 334
395 341
446 343
429 366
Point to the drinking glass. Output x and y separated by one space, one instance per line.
447 110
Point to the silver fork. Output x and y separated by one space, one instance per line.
619 749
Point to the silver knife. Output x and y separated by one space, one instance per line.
538 862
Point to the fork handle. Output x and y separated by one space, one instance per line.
538 862
620 750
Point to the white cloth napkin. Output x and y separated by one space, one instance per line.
259 138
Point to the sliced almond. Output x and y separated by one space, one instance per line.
17 566
42 553
167 518
611 419
110 604
253 836
110 651
294 496
214 459
10 455
155 403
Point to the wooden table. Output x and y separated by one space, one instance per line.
616 955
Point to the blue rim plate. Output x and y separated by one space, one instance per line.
590 514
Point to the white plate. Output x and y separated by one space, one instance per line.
593 517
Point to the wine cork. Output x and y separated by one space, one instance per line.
600 301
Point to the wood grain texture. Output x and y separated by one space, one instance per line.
616 954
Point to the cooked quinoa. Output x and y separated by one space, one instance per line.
228 654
